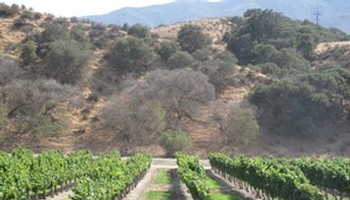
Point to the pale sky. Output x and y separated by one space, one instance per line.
69 8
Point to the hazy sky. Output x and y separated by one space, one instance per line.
70 8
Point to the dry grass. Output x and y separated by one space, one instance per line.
215 28
324 47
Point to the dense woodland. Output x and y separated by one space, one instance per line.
151 85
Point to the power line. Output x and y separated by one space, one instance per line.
317 14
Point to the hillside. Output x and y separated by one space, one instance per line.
334 13
216 28
140 86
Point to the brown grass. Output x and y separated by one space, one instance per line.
215 28
327 46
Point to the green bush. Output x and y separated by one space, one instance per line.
166 50
53 32
130 55
300 105
28 55
192 38
265 36
67 61
77 33
41 125
180 59
175 140
139 31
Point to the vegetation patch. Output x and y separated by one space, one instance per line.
158 195
162 177
223 196
216 192
212 184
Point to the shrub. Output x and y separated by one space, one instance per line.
31 104
300 105
130 54
180 59
4 121
166 50
93 97
53 32
19 23
6 10
160 100
243 126
42 125
9 70
191 38
37 15
137 123
26 14
175 140
77 33
67 61
139 31
28 55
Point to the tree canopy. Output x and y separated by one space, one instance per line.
192 38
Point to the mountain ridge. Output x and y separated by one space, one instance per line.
180 11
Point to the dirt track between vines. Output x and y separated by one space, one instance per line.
177 187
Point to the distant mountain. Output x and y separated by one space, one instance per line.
334 13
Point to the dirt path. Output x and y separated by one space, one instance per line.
170 163
176 190
61 196
140 188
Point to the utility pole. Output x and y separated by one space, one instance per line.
317 14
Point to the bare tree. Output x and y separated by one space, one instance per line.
156 102
27 99
180 91
239 123
133 119
9 70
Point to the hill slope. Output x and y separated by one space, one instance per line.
334 13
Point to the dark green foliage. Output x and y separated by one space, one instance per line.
264 36
93 97
130 55
28 55
64 51
77 33
202 55
191 38
166 50
67 61
180 59
219 67
125 27
6 10
139 31
276 178
53 32
302 104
